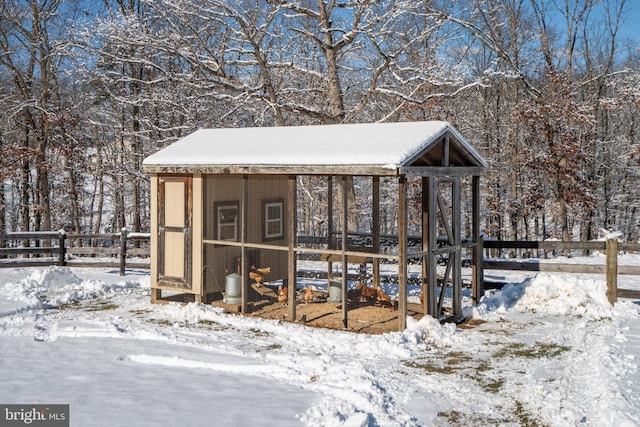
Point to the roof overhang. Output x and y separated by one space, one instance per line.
354 170
384 149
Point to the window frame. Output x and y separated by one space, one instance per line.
267 220
217 207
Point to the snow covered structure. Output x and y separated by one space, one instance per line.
224 200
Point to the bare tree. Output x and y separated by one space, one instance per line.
33 48
546 48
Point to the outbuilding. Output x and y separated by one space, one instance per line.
228 202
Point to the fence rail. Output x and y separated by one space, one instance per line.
23 249
611 268
28 249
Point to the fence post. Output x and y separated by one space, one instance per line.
611 269
123 251
477 281
62 235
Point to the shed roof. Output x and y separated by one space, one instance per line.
349 149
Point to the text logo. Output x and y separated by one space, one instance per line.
34 415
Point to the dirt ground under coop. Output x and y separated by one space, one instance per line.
364 317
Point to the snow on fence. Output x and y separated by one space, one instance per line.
24 249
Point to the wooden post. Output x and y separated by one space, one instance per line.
430 298
611 269
477 270
61 248
154 241
345 270
424 282
291 237
197 281
123 251
477 281
376 231
402 253
244 273
329 227
456 223
445 151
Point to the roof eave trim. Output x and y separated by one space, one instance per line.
367 170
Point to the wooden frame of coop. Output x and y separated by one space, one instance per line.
216 212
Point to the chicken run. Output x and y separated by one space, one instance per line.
371 310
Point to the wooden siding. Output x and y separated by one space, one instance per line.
220 260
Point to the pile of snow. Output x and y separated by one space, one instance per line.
55 286
547 294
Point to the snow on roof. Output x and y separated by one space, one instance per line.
377 145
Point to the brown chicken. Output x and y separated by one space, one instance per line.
354 295
283 294
369 293
308 295
258 274
384 299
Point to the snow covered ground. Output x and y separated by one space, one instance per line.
546 350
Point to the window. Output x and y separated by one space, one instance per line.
227 216
273 219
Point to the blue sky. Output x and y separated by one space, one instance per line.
631 22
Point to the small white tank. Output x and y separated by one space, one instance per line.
233 289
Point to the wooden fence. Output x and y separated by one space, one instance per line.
611 268
22 249
26 249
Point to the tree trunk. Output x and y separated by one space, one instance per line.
73 193
43 194
25 201
334 90
564 218
137 156
99 183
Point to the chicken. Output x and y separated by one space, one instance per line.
384 299
258 274
369 293
283 294
354 295
308 295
